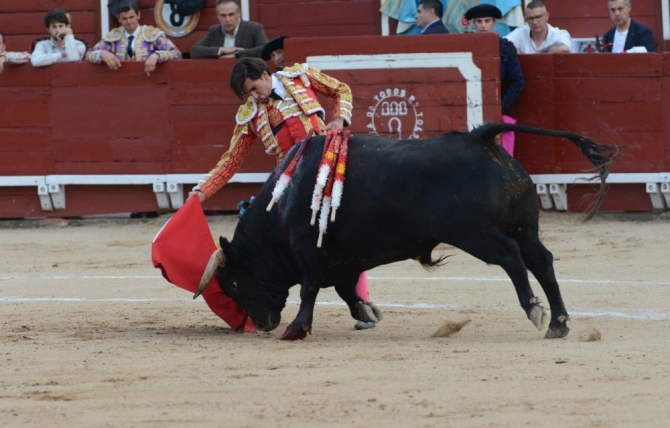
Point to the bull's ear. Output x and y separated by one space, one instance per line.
225 245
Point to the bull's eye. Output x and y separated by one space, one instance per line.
234 285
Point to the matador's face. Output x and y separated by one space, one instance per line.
260 89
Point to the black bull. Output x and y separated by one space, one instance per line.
401 199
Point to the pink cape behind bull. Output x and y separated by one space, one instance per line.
181 250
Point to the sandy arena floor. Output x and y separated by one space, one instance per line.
93 336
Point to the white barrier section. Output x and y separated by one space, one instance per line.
461 60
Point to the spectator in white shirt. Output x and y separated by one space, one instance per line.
61 46
537 36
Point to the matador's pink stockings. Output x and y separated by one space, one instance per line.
362 287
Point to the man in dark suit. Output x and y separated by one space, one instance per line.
626 33
428 17
232 38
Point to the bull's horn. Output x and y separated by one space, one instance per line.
217 259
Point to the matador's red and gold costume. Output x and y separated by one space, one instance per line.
280 123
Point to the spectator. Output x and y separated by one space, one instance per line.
61 46
512 82
133 42
274 50
511 77
233 37
537 36
626 34
11 57
428 15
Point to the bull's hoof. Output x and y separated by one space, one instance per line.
538 316
557 332
367 313
558 328
375 309
295 332
362 325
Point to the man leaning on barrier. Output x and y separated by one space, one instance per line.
133 42
537 36
233 37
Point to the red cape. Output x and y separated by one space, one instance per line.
181 251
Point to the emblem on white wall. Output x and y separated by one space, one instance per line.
395 115
169 20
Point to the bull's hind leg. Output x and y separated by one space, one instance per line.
360 309
540 262
494 248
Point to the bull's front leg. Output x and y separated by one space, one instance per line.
302 324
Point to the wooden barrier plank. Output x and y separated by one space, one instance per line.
201 159
33 22
666 110
33 162
45 5
111 150
608 65
619 117
96 168
24 139
18 76
206 70
328 13
536 91
203 113
316 30
608 90
83 74
622 197
123 112
641 152
542 66
186 134
29 107
20 202
200 94
297 49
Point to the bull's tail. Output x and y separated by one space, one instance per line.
601 156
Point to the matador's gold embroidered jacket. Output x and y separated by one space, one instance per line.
299 110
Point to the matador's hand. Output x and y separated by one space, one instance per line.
336 124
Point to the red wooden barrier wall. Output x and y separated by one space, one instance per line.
85 119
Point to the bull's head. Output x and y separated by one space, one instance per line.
240 280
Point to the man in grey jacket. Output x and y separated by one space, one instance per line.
232 38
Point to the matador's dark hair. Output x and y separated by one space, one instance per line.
252 68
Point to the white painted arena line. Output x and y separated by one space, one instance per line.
637 314
641 314
373 278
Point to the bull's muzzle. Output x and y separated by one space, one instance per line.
273 320
217 259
